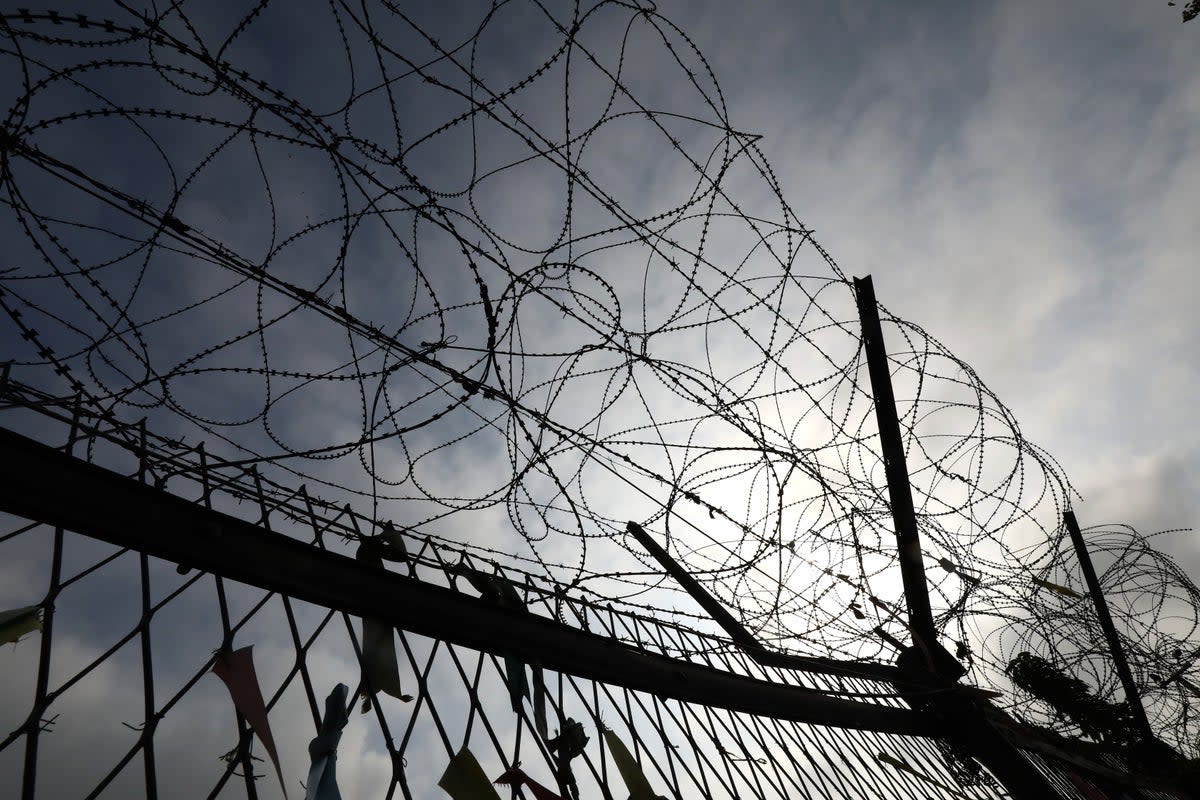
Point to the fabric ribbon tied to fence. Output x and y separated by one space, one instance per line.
498 590
539 703
517 777
322 774
631 773
464 779
17 622
568 744
380 672
236 670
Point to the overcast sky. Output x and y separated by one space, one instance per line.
1020 178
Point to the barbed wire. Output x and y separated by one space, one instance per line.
1154 604
515 278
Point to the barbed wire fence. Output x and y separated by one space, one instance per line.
502 283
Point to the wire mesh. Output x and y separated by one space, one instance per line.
505 278
128 699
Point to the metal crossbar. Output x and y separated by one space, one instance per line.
702 717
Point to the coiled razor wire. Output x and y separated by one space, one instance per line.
509 276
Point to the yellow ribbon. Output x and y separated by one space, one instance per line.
631 773
19 621
464 779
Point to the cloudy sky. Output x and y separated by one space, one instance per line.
1020 178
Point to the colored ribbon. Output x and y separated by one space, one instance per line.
518 686
394 548
568 744
322 774
236 670
464 779
387 546
380 672
631 773
499 591
17 622
539 703
517 777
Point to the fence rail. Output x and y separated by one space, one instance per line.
702 717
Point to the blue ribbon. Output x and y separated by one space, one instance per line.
322 775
